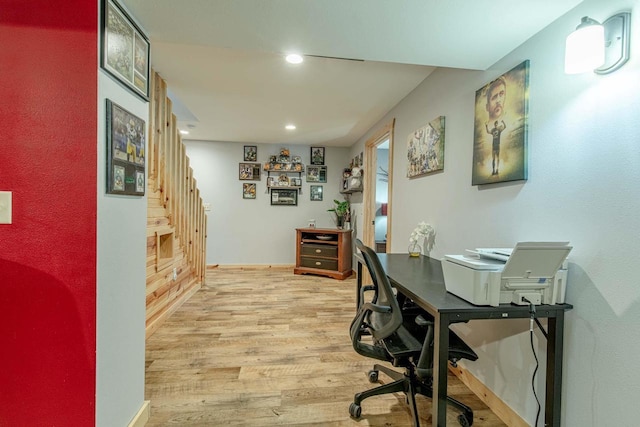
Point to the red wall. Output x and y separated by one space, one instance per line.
48 144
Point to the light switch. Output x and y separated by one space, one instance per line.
207 206
5 207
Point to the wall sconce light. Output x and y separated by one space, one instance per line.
601 48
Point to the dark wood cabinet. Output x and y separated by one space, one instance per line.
324 251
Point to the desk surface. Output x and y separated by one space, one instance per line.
421 279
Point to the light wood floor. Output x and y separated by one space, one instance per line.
267 347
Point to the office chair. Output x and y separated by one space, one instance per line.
405 339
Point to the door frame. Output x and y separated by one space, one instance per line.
370 176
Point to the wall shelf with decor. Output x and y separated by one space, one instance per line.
351 181
284 171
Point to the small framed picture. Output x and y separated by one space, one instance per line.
250 153
249 171
284 196
316 193
248 191
316 173
317 155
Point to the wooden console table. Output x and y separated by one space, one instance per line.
323 251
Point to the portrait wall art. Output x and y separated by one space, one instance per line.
500 128
425 149
125 152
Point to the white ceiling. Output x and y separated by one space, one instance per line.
223 60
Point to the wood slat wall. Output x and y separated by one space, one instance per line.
174 204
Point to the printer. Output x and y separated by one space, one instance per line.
531 272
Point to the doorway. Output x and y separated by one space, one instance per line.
378 188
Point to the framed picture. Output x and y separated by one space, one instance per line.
125 151
249 171
316 173
317 155
248 190
250 153
425 149
284 196
125 49
316 193
500 128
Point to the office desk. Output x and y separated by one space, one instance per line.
421 279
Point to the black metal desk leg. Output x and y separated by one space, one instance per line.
554 371
359 282
440 367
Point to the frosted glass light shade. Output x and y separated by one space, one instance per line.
585 47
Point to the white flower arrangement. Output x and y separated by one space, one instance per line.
422 231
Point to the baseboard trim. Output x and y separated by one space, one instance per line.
142 416
497 405
256 267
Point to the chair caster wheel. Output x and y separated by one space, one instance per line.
464 422
373 376
355 410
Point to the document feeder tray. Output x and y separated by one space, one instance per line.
534 272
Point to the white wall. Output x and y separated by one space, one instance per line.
251 231
121 281
583 186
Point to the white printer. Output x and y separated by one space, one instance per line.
533 272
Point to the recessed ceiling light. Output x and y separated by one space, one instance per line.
184 132
294 58
290 127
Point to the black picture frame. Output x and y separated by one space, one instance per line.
284 197
126 146
249 190
315 193
124 49
250 153
317 155
249 171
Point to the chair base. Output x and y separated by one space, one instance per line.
410 385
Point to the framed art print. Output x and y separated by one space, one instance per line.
316 193
500 128
249 171
248 190
281 196
317 155
425 149
125 152
125 49
250 153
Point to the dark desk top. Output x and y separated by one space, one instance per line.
422 280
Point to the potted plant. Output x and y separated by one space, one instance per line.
341 210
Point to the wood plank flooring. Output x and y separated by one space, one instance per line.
265 347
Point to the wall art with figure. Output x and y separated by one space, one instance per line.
500 132
425 149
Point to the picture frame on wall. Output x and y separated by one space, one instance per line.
248 190
316 193
317 155
249 171
125 151
250 153
501 128
316 173
284 197
425 149
124 49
